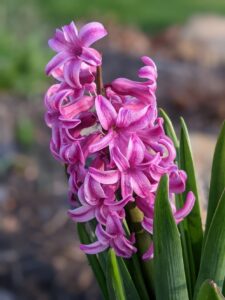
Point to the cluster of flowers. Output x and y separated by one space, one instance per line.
113 144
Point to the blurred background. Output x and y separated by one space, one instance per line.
39 252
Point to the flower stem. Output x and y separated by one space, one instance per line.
99 81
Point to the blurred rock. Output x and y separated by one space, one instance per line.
126 39
6 295
202 40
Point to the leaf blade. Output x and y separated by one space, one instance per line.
209 291
114 280
93 261
171 283
193 220
213 259
217 183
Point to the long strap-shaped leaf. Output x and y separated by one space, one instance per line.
193 220
209 291
114 279
170 282
213 256
168 126
186 241
217 183
93 261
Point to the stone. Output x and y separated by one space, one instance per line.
202 39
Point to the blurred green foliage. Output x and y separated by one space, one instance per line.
25 26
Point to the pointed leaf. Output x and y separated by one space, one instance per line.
93 260
129 287
217 183
193 220
170 282
213 259
209 291
114 279
169 129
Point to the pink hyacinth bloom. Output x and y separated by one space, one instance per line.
74 54
114 145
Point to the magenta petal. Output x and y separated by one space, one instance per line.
92 190
135 150
181 213
118 205
72 73
58 42
94 248
140 184
102 143
135 120
126 188
90 56
81 105
147 224
91 33
105 177
57 61
105 111
82 213
102 235
149 253
119 159
177 181
70 33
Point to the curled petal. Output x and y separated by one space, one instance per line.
70 33
126 187
102 143
102 235
147 224
105 177
82 213
90 56
92 190
140 184
181 213
94 248
120 160
72 73
118 205
105 111
123 247
150 253
135 150
81 105
58 42
91 33
134 120
177 180
57 61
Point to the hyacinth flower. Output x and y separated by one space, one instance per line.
131 183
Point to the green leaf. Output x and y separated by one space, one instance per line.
93 260
213 256
169 129
209 291
114 280
170 282
217 183
193 220
129 287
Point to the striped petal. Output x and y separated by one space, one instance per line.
91 33
105 177
82 214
